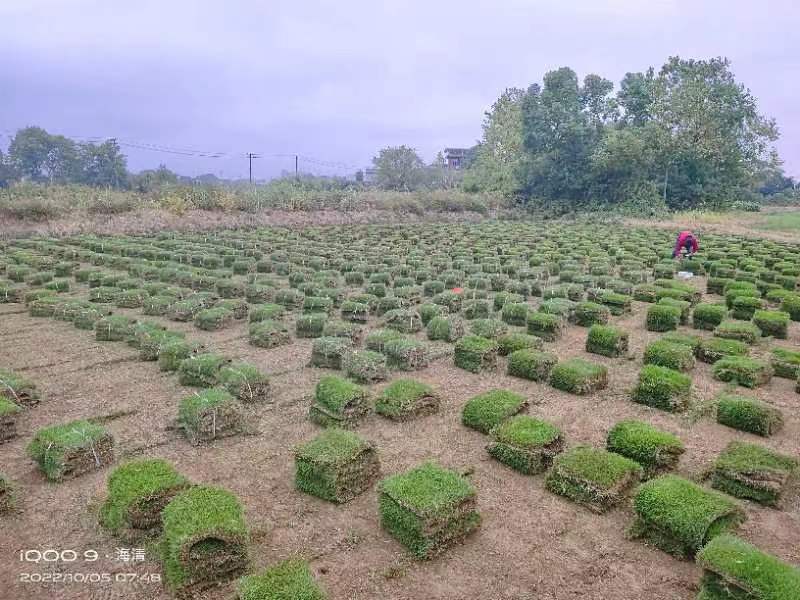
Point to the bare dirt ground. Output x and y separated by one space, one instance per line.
531 545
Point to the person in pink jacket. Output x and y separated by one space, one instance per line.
685 240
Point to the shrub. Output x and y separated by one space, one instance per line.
531 364
209 415
406 398
338 402
484 411
511 342
201 370
772 322
137 493
785 363
678 357
743 307
747 372
205 539
546 326
663 388
448 329
365 366
290 579
594 478
655 450
712 350
72 449
525 444
756 473
679 516
245 381
428 509
708 316
732 568
661 317
579 376
736 330
336 466
327 352
475 354
590 313
268 334
748 414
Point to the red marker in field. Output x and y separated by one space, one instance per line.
458 290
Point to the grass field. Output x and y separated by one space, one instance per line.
198 349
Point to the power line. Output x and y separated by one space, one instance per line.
194 153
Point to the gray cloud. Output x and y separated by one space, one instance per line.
338 80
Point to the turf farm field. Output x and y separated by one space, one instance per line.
494 411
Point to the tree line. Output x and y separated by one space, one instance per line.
686 136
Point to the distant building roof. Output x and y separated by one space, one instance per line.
455 152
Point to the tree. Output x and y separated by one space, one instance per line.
714 140
103 165
39 156
399 168
153 179
495 166
561 124
7 172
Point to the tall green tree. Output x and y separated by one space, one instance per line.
103 165
704 128
39 156
562 123
399 168
496 166
7 172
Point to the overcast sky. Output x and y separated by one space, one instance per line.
336 80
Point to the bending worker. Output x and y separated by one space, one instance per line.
686 241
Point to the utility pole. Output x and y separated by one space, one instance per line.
296 172
251 156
